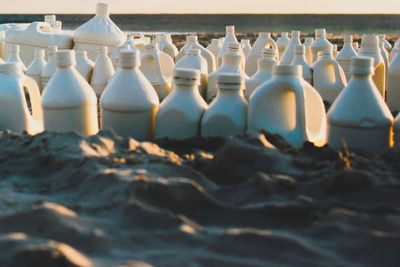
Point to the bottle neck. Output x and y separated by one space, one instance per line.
232 59
185 87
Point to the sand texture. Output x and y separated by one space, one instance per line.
68 200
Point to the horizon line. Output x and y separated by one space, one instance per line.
233 13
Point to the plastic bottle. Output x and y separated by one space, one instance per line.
264 73
393 86
158 68
385 43
84 65
282 43
246 47
179 115
194 60
345 55
264 40
50 67
370 48
129 102
287 57
320 43
214 47
102 72
328 77
289 106
231 63
166 45
230 37
115 55
69 103
359 116
14 57
307 44
15 114
192 42
300 59
35 68
226 115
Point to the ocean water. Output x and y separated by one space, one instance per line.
215 23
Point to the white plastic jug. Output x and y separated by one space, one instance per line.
328 77
194 60
15 114
129 102
192 42
231 63
69 103
84 65
165 45
14 57
282 43
385 43
35 68
264 40
300 59
320 43
289 106
359 116
288 55
307 44
264 73
230 37
50 68
158 68
246 47
214 47
179 115
98 31
102 72
345 55
115 55
227 113
370 48
393 86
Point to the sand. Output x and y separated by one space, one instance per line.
68 200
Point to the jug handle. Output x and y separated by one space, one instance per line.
158 65
36 27
339 74
271 43
34 94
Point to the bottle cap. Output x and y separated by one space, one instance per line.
299 49
361 65
264 34
320 33
103 50
293 70
295 33
51 50
191 39
348 38
39 52
50 19
186 76
369 44
129 58
230 28
102 9
230 81
65 58
10 68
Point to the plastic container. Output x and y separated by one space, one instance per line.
102 72
231 63
14 57
129 102
50 67
69 103
288 56
359 116
179 115
289 106
165 45
35 68
328 77
15 114
264 73
246 47
345 55
158 68
385 56
84 65
370 48
393 89
385 43
264 40
227 113
214 47
300 59
307 44
192 42
98 31
320 43
115 55
282 43
230 37
37 35
194 60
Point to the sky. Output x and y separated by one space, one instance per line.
203 6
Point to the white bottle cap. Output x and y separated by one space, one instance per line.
299 49
39 52
65 58
103 50
50 18
362 65
191 39
129 58
348 38
233 47
295 33
81 54
292 70
230 81
14 49
230 28
186 76
10 68
369 40
102 9
193 52
51 50
284 34
264 34
320 33
269 52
